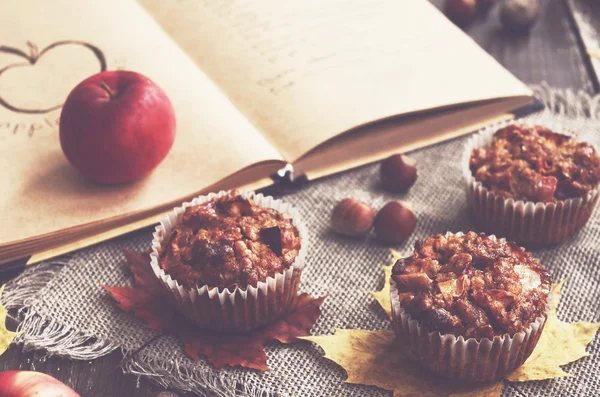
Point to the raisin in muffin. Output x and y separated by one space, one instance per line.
531 184
458 291
232 260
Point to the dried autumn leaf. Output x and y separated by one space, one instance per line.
247 349
154 310
143 276
147 301
561 343
594 53
373 358
6 336
383 296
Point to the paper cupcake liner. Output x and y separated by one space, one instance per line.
526 222
240 309
459 358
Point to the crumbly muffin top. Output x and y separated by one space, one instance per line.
472 285
536 164
229 242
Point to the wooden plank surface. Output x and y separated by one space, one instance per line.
551 53
585 17
101 377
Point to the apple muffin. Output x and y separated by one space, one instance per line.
531 184
469 306
536 164
232 260
229 242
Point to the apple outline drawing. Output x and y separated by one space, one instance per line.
32 58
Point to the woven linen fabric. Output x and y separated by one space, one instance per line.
66 312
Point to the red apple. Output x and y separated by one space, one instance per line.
116 126
32 384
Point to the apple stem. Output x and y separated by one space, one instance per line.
33 51
106 88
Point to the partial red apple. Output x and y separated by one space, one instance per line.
116 126
32 384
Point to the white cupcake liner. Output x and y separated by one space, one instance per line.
459 358
526 222
242 309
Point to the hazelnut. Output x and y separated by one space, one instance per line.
395 222
398 173
352 218
519 15
486 5
461 12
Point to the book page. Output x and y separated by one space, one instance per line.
41 192
376 141
305 71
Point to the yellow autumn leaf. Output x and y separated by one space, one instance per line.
6 336
561 343
594 53
383 296
373 358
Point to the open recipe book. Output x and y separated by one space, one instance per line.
320 86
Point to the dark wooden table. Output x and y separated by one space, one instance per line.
553 53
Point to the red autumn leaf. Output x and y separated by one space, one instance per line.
150 308
222 350
298 322
247 349
143 275
129 299
147 300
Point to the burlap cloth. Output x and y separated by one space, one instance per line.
65 311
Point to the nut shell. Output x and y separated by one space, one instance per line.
519 15
486 4
352 218
398 173
395 222
461 12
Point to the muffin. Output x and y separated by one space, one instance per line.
530 184
231 261
469 306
